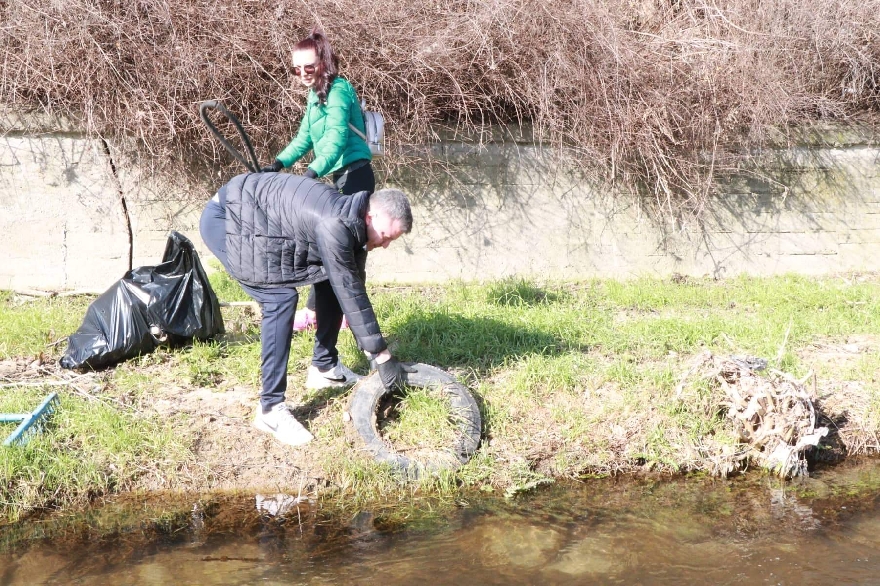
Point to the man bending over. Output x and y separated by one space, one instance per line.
275 232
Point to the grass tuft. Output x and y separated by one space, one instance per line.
420 419
86 449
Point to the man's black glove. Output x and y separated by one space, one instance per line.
273 168
393 373
310 174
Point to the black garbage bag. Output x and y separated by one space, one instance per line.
170 303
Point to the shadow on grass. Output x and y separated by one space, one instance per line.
237 339
448 341
476 343
316 401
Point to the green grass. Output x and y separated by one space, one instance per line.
571 378
546 350
422 419
28 326
85 449
225 287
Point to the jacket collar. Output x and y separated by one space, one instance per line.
354 212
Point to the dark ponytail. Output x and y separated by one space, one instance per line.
327 64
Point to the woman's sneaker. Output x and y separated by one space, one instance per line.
338 376
281 423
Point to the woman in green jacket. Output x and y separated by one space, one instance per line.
331 106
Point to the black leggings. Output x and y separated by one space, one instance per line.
349 183
361 179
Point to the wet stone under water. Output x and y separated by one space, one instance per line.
823 530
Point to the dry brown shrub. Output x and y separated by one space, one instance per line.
659 95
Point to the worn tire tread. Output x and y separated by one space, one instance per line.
363 407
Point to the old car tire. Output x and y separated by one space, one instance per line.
367 395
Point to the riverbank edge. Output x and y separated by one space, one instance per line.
209 415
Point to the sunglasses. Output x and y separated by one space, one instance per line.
309 69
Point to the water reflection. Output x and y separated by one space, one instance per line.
751 531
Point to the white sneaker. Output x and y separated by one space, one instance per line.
338 376
281 423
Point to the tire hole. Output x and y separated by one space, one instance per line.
418 420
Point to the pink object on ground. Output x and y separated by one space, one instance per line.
303 319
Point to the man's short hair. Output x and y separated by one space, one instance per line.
395 203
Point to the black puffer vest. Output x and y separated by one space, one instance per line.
288 231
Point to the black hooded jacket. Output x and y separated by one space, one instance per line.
288 231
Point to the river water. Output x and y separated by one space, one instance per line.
752 530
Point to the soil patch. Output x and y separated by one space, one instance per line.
228 453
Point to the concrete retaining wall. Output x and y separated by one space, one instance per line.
503 210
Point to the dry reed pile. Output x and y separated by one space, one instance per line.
772 417
659 95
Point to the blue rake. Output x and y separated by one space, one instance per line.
30 422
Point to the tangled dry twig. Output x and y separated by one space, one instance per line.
773 415
660 96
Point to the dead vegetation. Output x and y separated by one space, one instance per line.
848 404
656 95
773 416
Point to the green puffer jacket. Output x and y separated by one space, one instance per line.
325 130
